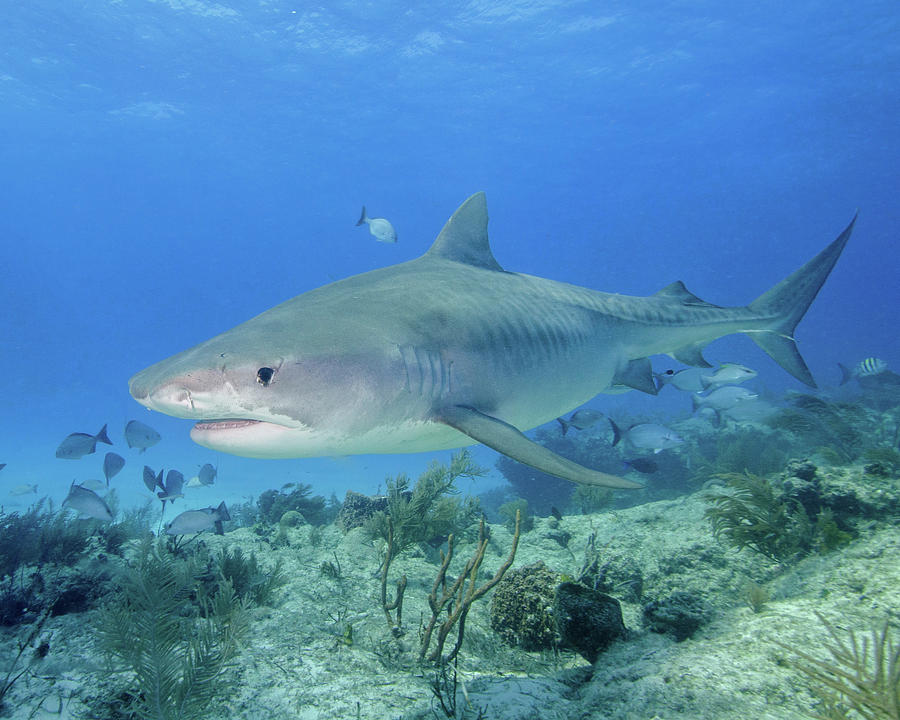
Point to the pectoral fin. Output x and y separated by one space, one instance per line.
506 439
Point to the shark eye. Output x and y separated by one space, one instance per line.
264 376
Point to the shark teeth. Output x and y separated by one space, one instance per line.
225 424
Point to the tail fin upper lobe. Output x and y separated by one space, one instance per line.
788 302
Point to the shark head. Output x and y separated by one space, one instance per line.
256 394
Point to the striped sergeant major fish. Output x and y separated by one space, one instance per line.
864 368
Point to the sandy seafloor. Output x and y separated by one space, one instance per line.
293 664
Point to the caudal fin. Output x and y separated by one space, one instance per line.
362 217
102 437
787 303
846 375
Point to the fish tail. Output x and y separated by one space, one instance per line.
617 433
223 511
787 303
846 375
362 217
564 425
102 436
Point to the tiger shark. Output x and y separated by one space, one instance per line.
448 350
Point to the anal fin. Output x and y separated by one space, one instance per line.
506 439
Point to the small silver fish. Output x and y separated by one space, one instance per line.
728 374
194 521
87 502
23 490
138 435
112 464
77 445
580 420
687 380
864 368
648 436
723 398
751 411
380 228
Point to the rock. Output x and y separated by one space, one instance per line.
802 469
680 614
586 620
521 608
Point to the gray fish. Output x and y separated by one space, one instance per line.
194 521
751 411
580 420
153 480
112 464
729 374
864 368
77 445
381 229
87 502
23 490
648 436
723 398
138 435
171 489
207 474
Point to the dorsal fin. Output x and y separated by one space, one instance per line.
465 238
678 291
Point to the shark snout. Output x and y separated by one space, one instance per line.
173 397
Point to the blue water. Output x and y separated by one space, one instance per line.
169 169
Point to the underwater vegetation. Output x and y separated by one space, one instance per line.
739 450
834 430
47 559
427 511
752 513
171 642
513 509
862 678
315 509
30 651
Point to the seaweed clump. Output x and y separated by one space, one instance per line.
831 429
174 641
862 678
429 510
751 514
315 509
779 523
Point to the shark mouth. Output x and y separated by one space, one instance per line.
229 424
248 438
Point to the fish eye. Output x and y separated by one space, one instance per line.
264 376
